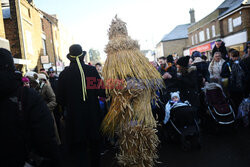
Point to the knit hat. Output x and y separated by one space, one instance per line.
175 94
25 79
6 60
42 76
183 61
170 59
196 54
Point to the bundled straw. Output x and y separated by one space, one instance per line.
131 101
138 147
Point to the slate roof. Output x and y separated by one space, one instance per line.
179 32
231 5
6 12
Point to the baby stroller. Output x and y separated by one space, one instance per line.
183 127
218 105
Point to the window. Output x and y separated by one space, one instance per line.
201 36
213 31
42 24
196 38
230 25
44 47
208 33
29 41
192 38
237 21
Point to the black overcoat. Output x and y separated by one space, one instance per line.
83 118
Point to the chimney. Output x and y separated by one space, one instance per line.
31 1
192 17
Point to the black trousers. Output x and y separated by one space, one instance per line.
84 155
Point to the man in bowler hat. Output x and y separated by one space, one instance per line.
78 93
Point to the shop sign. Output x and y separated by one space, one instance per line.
44 59
202 48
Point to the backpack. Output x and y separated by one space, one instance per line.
236 79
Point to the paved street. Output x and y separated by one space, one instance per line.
224 150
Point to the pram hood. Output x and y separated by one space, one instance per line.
211 86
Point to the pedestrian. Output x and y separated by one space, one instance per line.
98 67
78 93
187 81
233 72
25 121
215 68
49 97
26 81
202 68
220 47
245 64
53 78
247 54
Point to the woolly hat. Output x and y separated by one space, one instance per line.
25 79
42 76
175 94
170 59
183 61
196 54
75 50
6 60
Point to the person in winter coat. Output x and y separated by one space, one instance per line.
25 121
187 81
202 68
233 71
220 47
215 68
245 64
78 92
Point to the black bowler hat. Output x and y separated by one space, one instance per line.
6 60
183 61
74 51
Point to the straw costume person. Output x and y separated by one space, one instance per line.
130 115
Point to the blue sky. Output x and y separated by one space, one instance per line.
147 20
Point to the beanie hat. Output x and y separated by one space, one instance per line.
42 76
170 59
25 79
183 61
175 94
196 54
6 60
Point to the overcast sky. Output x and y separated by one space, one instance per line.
147 20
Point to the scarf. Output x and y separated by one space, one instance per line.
84 91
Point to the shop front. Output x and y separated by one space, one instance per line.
205 49
236 41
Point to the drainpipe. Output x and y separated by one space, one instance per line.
53 45
21 23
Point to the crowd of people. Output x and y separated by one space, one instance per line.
189 74
35 107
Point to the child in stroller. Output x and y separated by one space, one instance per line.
179 117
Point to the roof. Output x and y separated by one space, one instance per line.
231 5
179 32
6 12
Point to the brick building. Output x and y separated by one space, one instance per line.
202 34
23 30
235 23
174 42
